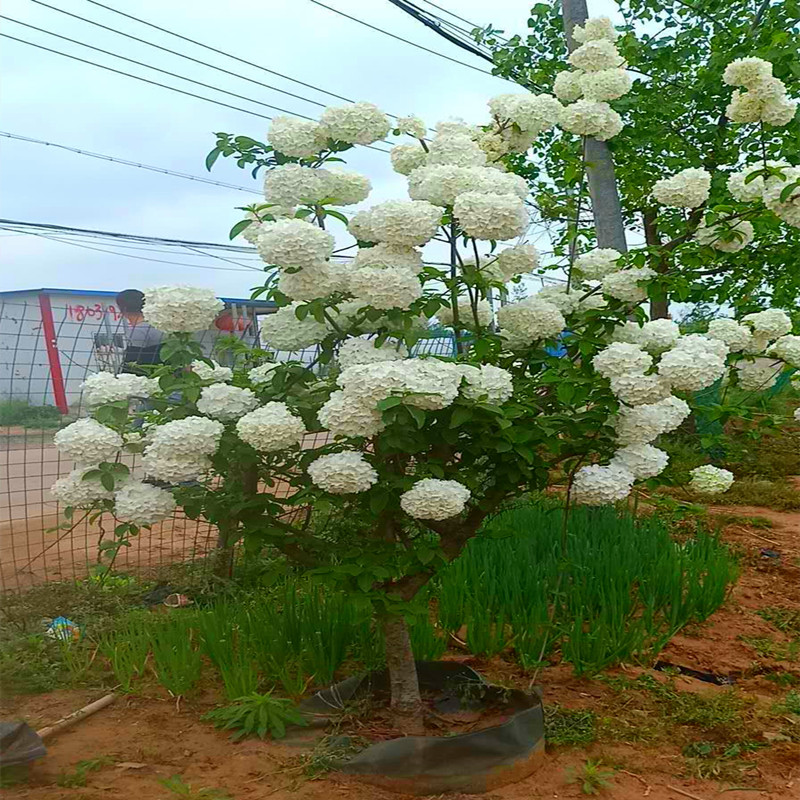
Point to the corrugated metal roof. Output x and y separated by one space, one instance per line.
94 292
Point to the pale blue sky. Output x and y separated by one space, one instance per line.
52 98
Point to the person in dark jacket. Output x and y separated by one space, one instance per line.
142 341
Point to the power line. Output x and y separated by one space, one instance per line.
124 162
401 39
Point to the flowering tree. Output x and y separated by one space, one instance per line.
415 452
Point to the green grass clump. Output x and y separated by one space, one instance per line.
258 715
20 413
79 776
569 726
784 619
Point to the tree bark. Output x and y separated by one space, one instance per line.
603 190
659 306
406 701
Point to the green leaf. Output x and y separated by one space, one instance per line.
365 581
418 414
107 480
389 402
341 217
461 415
239 227
212 157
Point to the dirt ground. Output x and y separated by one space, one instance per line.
149 738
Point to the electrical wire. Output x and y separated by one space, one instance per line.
124 162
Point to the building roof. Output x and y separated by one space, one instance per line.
96 293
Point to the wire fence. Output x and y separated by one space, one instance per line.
49 343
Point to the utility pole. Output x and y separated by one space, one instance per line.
599 164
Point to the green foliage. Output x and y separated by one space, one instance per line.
784 619
716 761
592 777
258 715
30 663
569 726
126 648
79 776
177 660
15 413
178 787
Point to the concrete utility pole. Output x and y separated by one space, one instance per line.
600 166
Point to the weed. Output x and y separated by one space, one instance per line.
29 664
782 679
126 649
784 619
592 777
791 702
775 651
180 788
330 753
569 726
176 660
710 760
79 776
22 413
256 715
761 523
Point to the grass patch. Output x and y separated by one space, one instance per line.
775 651
722 762
80 775
569 726
778 494
20 413
761 523
784 619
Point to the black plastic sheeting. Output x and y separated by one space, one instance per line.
19 744
471 762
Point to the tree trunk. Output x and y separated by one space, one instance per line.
223 555
406 700
659 306
603 190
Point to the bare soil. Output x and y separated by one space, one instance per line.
149 738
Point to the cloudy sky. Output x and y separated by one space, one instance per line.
52 98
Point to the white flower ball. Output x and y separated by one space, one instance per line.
787 209
595 265
787 348
391 287
294 243
694 363
595 28
354 351
621 358
296 138
142 503
313 281
216 374
164 466
487 383
360 226
411 125
735 335
596 55
659 335
638 390
688 188
347 472
797 414
270 428
642 424
673 412
191 436
292 184
226 402
710 480
568 86
78 493
384 255
586 118
88 442
406 158
457 149
748 191
532 113
431 498
466 316
754 377
347 188
489 180
262 374
104 387
779 112
405 222
284 331
495 217
772 323
747 72
624 285
605 85
356 123
728 238
565 301
440 184
518 260
641 460
180 309
346 415
530 320
597 485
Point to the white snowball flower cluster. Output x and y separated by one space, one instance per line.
659 335
487 382
466 315
755 377
600 86
747 189
356 123
596 55
354 351
565 301
688 188
621 358
384 255
441 184
270 428
641 460
796 415
390 287
788 208
694 363
142 503
284 331
405 222
346 188
764 99
597 485
226 402
78 493
458 149
360 226
165 467
596 264
587 118
642 424
312 281
180 309
771 323
291 184
347 472
530 320
216 373
435 499
737 336
711 480
568 86
347 415
411 125
294 243
637 390
495 217
296 138
624 285
728 237
104 387
593 29
531 113
787 348
88 442
262 374
518 260
180 450
406 158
